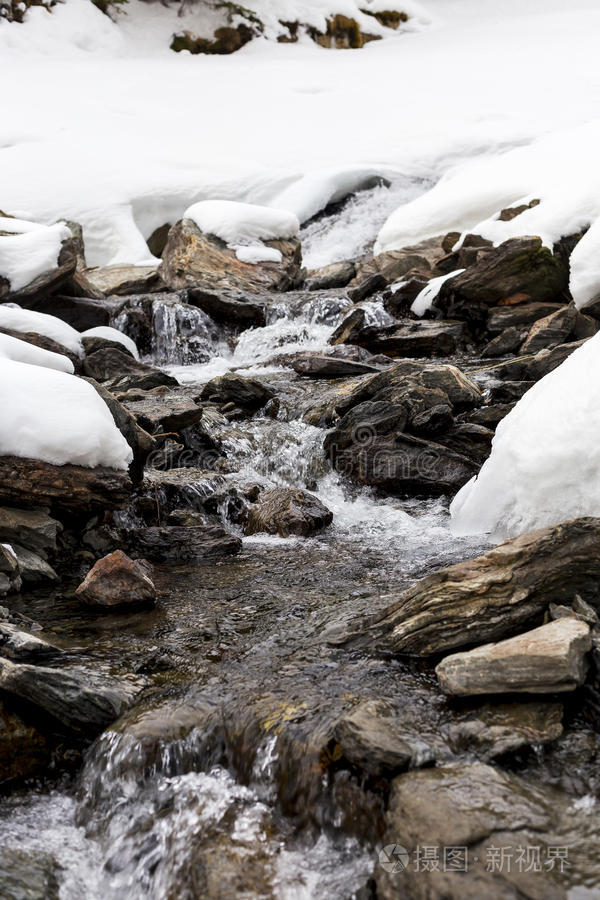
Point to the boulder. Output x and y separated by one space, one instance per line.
123 280
470 440
287 511
163 412
508 341
194 259
518 271
46 343
411 338
249 393
79 312
123 372
499 318
548 659
10 578
495 594
116 581
551 330
75 698
399 299
532 368
32 528
28 875
93 343
49 282
32 568
22 646
331 367
178 542
394 264
509 391
229 307
335 275
32 483
370 285
489 416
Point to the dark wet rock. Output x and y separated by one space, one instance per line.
508 341
479 809
28 875
372 738
79 312
123 372
76 698
10 578
48 282
399 301
460 390
335 275
33 569
32 483
350 328
551 330
331 367
493 595
123 280
249 393
23 751
509 391
93 343
193 259
21 646
548 659
435 420
412 338
163 412
532 368
116 580
188 491
520 270
472 441
489 416
78 285
373 284
287 511
495 730
141 442
32 528
459 259
499 318
229 307
173 543
46 343
394 264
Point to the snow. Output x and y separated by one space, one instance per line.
282 125
424 300
545 461
27 320
25 256
112 334
12 348
244 227
57 418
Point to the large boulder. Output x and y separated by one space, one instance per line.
50 281
287 511
114 581
546 660
194 259
494 595
520 270
407 338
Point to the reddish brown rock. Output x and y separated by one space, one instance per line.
116 580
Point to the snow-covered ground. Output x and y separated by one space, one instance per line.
107 126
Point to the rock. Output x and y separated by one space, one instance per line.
194 259
398 301
373 284
412 338
287 511
331 367
123 280
33 483
227 39
489 416
46 343
549 659
228 307
19 645
550 331
32 568
23 753
123 372
93 343
460 390
79 312
173 543
472 441
49 282
508 341
394 264
10 579
32 528
371 738
493 595
141 442
518 271
28 875
499 318
249 393
115 580
166 412
76 698
335 275
495 730
532 368
509 391
350 328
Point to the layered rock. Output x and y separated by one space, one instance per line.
287 511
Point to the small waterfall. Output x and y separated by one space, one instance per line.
182 334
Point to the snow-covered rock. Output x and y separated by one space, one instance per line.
12 348
29 254
14 318
545 461
113 334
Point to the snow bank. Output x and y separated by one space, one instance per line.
112 334
20 351
25 256
54 417
17 319
244 227
545 461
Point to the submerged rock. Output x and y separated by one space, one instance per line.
495 730
28 875
287 511
115 580
549 659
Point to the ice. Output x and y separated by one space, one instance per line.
112 334
545 461
12 348
27 320
25 256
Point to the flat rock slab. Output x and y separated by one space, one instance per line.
500 318
545 660
123 371
166 412
20 645
331 367
493 595
412 339
124 280
500 728
229 307
181 542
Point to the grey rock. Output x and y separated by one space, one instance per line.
123 372
287 511
33 568
331 367
499 318
249 393
31 528
501 728
20 645
124 280
335 275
